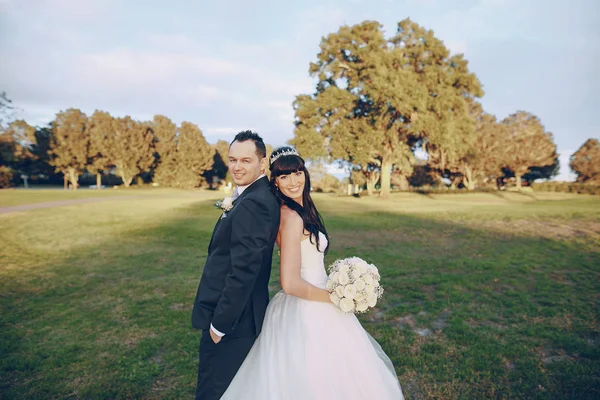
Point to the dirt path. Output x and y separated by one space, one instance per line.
61 203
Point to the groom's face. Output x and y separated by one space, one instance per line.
244 164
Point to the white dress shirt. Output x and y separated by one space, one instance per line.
240 190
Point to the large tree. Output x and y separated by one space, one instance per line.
165 138
100 131
527 144
585 162
16 141
483 160
376 98
194 155
447 128
70 144
130 148
363 104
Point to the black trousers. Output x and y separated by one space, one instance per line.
218 363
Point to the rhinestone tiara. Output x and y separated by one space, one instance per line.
290 152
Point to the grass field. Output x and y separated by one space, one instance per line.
487 296
11 197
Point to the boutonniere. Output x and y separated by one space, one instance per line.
226 204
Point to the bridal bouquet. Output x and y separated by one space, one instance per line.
353 285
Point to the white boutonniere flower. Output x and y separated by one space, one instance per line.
226 204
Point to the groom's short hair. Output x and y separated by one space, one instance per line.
261 149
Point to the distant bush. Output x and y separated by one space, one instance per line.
438 190
327 184
566 187
6 177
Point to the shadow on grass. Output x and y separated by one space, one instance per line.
425 193
466 313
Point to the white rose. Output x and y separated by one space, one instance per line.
329 284
359 298
344 269
357 272
362 306
346 305
368 279
349 291
362 265
369 289
227 202
343 278
340 291
333 277
360 284
372 300
335 299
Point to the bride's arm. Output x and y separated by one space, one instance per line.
291 230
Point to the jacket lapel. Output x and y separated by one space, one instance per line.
262 182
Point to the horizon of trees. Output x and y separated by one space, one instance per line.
378 101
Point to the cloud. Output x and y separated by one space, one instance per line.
78 8
6 5
207 92
127 67
176 41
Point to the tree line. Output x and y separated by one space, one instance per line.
73 143
378 101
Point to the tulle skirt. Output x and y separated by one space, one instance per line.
311 351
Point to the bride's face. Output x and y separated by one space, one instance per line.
292 185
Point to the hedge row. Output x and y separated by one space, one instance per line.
567 187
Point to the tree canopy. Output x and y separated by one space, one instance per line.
585 162
377 98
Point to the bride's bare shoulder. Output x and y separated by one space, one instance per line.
290 218
288 213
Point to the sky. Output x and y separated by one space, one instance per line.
234 65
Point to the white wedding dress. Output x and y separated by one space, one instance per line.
310 350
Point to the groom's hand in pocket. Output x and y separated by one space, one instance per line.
215 338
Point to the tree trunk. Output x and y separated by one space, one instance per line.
126 181
386 174
518 178
370 187
73 178
454 183
65 181
372 179
98 180
469 182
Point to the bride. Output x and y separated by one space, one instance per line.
308 348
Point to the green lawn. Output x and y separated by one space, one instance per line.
487 296
12 197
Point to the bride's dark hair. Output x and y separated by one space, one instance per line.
289 164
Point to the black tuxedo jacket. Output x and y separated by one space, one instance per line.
233 291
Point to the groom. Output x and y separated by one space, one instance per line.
233 293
